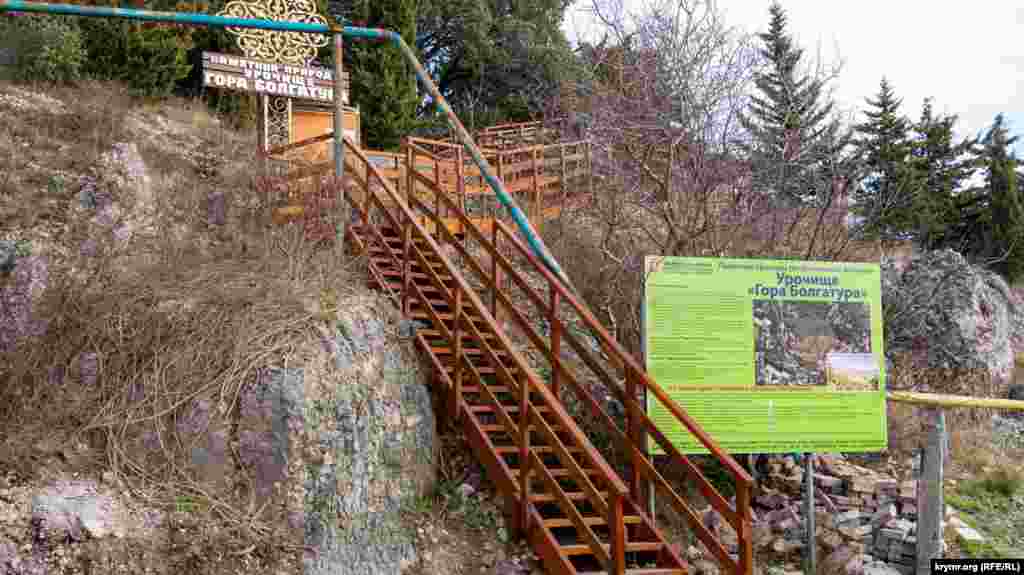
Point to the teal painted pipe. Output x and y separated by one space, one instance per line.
534 241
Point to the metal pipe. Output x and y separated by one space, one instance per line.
339 138
533 240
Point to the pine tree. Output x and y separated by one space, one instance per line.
885 200
380 82
791 133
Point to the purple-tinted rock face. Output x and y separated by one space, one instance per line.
18 317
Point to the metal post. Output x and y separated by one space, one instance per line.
339 136
812 545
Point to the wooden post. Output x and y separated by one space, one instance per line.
561 180
460 175
556 340
495 274
457 354
524 452
745 536
931 508
501 176
406 269
617 565
633 429
538 215
261 132
437 188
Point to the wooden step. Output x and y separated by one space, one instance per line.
642 571
489 408
484 370
566 522
489 427
429 333
390 272
381 261
439 351
631 547
573 496
503 449
444 316
562 472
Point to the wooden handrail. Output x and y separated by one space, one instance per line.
630 363
301 144
465 297
738 518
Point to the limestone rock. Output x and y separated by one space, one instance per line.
952 313
73 509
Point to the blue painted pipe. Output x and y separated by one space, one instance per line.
535 243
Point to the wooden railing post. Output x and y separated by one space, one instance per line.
460 183
556 340
410 180
745 545
563 188
501 176
524 454
495 274
616 525
437 187
538 215
457 355
406 268
633 429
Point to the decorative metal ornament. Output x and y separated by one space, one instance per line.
279 121
294 48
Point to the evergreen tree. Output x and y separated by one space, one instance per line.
885 199
791 133
1001 235
381 84
944 167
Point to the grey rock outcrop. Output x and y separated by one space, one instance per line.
952 314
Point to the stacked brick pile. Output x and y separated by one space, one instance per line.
865 521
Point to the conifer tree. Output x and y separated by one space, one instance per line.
885 199
380 82
944 167
791 132
1002 231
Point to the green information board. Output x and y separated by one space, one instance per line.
768 356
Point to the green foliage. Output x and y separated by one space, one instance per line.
885 200
794 143
45 48
381 82
150 59
944 166
495 60
1006 211
238 108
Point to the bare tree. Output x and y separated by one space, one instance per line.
670 83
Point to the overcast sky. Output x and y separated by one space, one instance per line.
969 56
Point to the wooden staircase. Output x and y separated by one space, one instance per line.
560 491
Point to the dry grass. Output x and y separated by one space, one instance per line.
138 329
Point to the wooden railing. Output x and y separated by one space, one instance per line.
382 207
500 262
541 177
